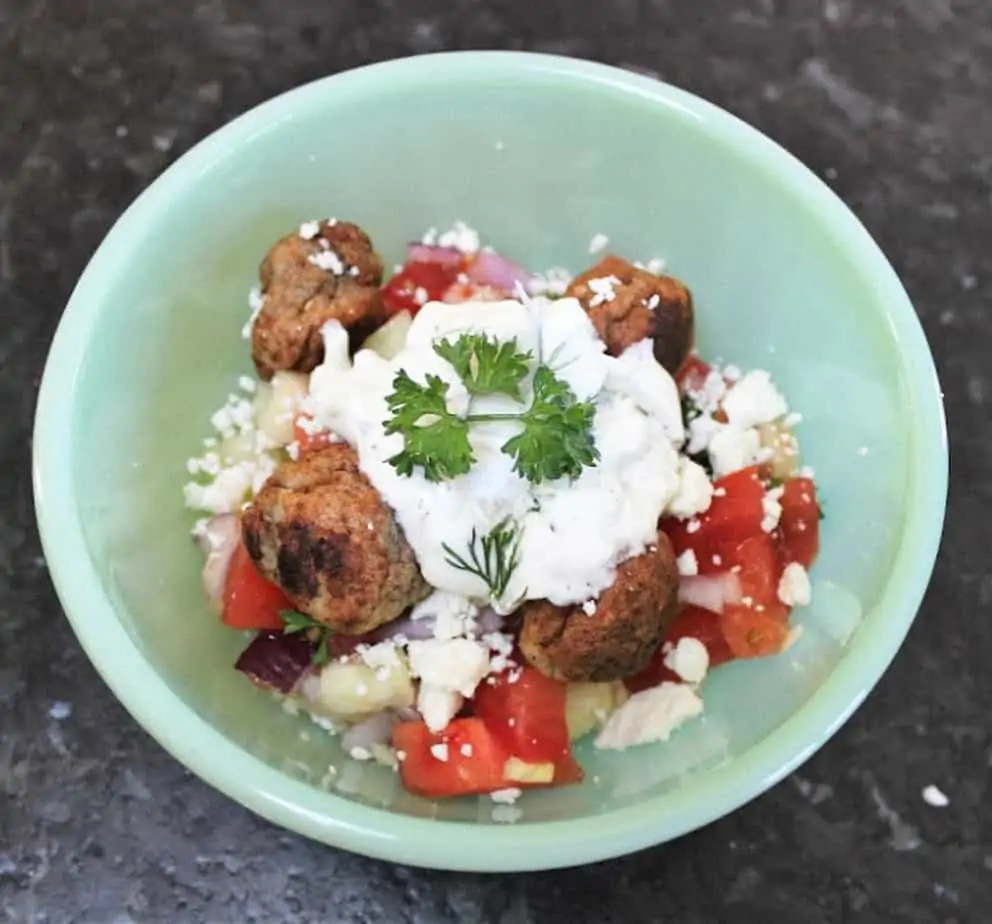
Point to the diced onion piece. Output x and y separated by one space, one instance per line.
278 404
352 690
376 729
589 705
492 269
431 253
389 339
276 661
784 462
710 591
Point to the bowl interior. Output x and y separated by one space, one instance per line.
539 161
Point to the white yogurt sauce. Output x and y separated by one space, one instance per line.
574 534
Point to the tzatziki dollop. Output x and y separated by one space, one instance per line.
573 533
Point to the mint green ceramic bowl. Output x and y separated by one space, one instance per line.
540 153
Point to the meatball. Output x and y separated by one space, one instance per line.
320 530
620 637
642 305
307 282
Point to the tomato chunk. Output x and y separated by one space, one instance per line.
418 283
527 715
799 526
759 572
692 374
752 634
735 514
464 759
251 601
692 622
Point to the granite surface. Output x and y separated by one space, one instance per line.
889 101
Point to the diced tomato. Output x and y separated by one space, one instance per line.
692 374
306 440
691 622
417 283
759 574
799 526
735 514
527 715
752 634
251 601
473 759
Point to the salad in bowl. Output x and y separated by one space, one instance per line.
469 514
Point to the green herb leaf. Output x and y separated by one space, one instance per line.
315 631
298 622
492 558
486 366
434 439
557 438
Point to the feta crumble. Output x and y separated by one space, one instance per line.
603 290
460 237
506 796
695 491
328 260
794 587
771 509
589 607
309 230
440 752
687 563
598 243
255 302
651 715
932 795
754 400
552 282
689 659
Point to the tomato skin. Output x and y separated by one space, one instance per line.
306 440
799 526
692 622
400 293
478 769
251 601
734 515
527 716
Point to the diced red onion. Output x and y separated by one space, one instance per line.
492 269
276 661
218 539
489 621
710 591
430 253
413 629
376 729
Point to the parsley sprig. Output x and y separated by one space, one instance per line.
556 439
315 631
492 558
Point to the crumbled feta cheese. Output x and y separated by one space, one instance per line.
461 237
236 416
501 649
689 659
247 384
732 448
687 563
328 260
754 400
309 230
603 290
466 750
651 715
437 705
360 753
255 302
456 664
589 607
453 615
771 508
695 491
505 796
552 282
440 752
807 472
792 419
933 796
656 265
653 302
381 655
692 526
293 450
230 488
598 243
794 587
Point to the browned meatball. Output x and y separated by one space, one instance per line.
620 638
644 305
300 296
320 530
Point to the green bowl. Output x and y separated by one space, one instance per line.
539 153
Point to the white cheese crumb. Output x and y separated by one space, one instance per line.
461 237
656 265
794 587
771 507
651 715
689 659
359 753
598 243
456 664
255 302
933 796
692 526
328 260
653 302
440 752
381 655
466 750
293 450
420 295
247 384
687 563
552 282
807 472
309 230
695 491
754 400
603 290
505 796
589 607
732 448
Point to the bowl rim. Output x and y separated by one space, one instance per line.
380 833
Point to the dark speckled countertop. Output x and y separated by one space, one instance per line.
890 101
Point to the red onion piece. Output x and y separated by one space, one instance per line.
710 591
489 621
412 629
276 661
218 539
430 253
492 269
376 729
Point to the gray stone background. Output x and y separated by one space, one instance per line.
889 101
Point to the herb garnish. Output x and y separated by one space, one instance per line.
315 631
492 558
556 439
